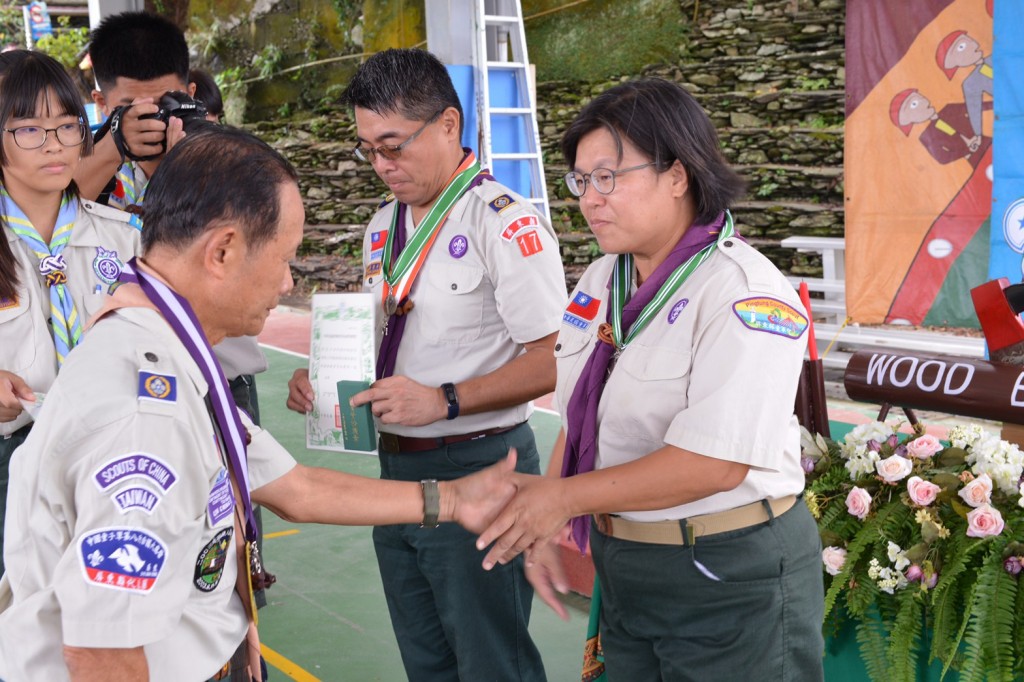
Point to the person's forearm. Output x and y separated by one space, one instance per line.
94 171
106 665
525 377
557 454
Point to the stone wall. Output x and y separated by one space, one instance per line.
769 73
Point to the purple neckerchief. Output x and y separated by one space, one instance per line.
388 353
581 416
178 313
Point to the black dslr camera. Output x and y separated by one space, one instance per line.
177 104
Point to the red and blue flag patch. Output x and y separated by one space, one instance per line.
581 311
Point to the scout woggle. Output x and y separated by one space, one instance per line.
398 281
620 294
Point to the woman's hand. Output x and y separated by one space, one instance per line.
545 572
12 387
538 512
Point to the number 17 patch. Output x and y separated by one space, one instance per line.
529 243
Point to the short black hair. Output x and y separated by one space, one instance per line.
407 81
25 77
207 91
215 175
666 124
137 45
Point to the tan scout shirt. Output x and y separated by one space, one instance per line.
492 281
119 527
102 240
715 372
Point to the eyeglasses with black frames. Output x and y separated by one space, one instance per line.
34 137
602 179
391 151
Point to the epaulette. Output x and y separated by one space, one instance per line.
110 213
387 200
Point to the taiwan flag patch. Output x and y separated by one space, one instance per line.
581 311
377 241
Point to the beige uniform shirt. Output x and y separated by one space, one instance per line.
715 372
492 281
102 240
119 528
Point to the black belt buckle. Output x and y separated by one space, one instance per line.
389 442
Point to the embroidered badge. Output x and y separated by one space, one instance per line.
373 269
107 265
126 559
771 315
501 203
135 465
529 243
211 561
458 246
222 499
677 310
162 387
518 224
8 303
377 242
136 497
581 311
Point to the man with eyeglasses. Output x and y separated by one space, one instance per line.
471 289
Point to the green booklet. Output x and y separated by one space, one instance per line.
357 430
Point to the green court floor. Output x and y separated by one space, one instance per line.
326 618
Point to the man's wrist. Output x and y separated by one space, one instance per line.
451 399
431 503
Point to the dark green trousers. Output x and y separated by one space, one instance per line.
742 605
7 447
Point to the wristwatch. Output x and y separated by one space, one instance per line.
452 398
431 503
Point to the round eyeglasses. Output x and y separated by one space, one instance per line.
603 179
391 151
34 137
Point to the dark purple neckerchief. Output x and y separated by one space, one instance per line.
388 353
581 415
178 313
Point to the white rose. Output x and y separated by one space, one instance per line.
978 491
833 558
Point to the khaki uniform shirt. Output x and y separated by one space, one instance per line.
102 240
492 281
714 372
119 528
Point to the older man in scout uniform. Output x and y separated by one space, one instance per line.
130 530
471 289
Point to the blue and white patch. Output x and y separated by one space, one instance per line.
221 503
501 203
107 265
135 498
125 559
159 387
135 465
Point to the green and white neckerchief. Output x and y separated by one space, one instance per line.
67 327
622 277
399 278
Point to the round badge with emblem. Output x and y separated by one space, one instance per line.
677 310
458 246
211 561
107 265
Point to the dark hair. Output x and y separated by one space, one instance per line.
137 45
410 82
216 174
24 78
207 91
666 124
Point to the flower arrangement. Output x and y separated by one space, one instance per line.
923 547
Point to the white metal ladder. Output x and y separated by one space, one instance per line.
499 32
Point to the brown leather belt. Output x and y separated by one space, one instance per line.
390 442
671 532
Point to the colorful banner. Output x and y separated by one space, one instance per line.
918 159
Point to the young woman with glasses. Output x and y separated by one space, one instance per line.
58 255
678 361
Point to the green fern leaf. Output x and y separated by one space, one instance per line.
904 640
871 636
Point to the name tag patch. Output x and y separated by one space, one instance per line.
764 314
211 561
126 559
581 311
514 227
8 303
159 387
373 269
222 499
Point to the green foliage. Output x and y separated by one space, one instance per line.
66 44
804 83
12 25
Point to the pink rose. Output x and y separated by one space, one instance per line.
894 468
924 447
921 492
978 491
984 521
833 558
858 503
914 573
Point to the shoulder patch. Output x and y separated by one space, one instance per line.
160 387
221 502
111 213
766 314
529 243
517 225
501 203
135 465
387 200
135 498
122 558
211 561
581 311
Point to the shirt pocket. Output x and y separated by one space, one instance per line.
18 334
455 310
652 388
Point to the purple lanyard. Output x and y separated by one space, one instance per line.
178 313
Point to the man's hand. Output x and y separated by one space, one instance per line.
474 500
143 136
400 400
545 572
300 392
12 387
536 514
